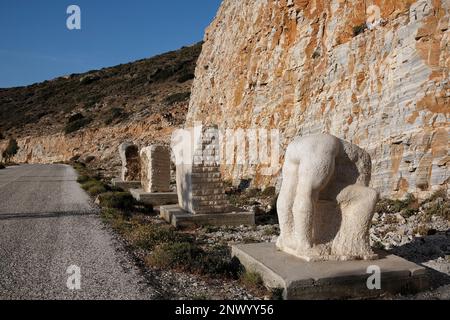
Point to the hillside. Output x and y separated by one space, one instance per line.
89 115
104 97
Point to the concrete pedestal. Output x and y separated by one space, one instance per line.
332 279
125 185
180 218
155 199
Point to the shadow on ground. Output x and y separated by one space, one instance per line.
433 250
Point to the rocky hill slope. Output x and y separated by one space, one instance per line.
89 115
312 66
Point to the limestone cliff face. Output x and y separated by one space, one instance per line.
298 66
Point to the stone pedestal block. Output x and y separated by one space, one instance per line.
180 218
125 185
300 279
154 198
201 191
155 169
129 154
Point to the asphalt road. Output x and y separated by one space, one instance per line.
47 224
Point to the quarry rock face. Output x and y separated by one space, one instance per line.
310 66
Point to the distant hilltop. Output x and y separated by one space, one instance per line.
88 115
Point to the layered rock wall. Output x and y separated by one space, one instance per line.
303 67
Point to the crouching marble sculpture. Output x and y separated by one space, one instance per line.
325 206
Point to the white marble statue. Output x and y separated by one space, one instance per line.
325 206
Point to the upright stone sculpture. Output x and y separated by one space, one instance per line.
201 191
155 169
155 177
325 205
325 208
129 154
130 174
199 184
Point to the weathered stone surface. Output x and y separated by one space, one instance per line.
296 66
200 189
180 218
155 198
131 167
322 168
329 279
125 185
199 181
155 169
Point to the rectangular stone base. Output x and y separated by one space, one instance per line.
155 199
125 185
180 218
332 279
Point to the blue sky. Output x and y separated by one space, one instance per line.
35 44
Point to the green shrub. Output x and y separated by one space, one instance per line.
177 97
186 77
440 209
396 206
97 190
94 187
440 194
117 200
269 192
189 256
253 193
357 30
11 150
76 125
114 115
217 263
421 230
89 79
181 255
276 294
163 73
91 183
83 179
148 236
117 220
252 280
272 231
407 213
75 117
